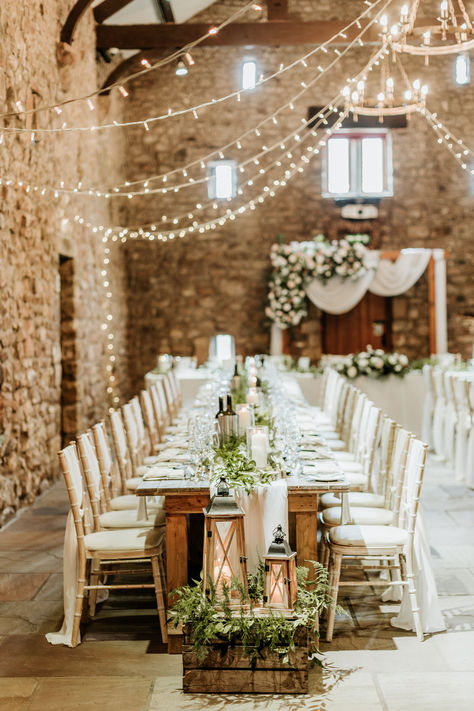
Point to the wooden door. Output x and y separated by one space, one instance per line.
367 323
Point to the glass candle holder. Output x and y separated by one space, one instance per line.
252 396
246 417
258 445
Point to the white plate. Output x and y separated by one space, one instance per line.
325 477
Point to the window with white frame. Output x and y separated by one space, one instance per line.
358 164
249 74
222 183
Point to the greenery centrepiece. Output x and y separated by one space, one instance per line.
373 362
231 461
212 619
298 263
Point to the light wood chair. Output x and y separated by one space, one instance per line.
102 517
102 553
130 478
372 546
372 513
151 422
121 502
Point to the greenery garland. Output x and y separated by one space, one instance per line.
211 619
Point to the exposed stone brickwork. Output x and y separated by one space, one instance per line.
183 292
34 232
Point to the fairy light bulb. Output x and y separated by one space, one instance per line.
407 95
424 90
404 15
123 91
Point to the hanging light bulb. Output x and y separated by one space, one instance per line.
181 68
404 15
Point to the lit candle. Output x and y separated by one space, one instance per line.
252 396
404 14
252 381
259 446
245 417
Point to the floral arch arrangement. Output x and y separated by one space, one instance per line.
296 264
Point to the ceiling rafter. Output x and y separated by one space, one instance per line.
107 8
75 14
130 65
272 33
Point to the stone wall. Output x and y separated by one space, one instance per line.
34 231
189 289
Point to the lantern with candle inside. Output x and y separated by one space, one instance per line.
280 588
224 558
258 445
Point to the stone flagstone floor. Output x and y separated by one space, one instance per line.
122 663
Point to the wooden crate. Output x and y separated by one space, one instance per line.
226 670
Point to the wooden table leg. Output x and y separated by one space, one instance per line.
306 519
176 568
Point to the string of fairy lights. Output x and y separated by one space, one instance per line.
255 131
324 48
462 154
275 164
122 235
146 68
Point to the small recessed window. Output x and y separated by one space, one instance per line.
358 164
222 184
249 74
463 70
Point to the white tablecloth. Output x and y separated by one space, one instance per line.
189 380
399 398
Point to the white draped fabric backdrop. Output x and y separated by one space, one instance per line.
384 278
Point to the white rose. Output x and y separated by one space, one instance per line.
352 372
397 368
403 360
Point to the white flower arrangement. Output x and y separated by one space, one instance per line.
374 363
297 263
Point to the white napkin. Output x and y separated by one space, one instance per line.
322 468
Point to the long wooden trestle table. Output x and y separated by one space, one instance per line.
184 497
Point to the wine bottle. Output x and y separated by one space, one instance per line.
235 382
221 406
230 421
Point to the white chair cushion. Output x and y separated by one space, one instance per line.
356 498
337 445
347 466
358 481
128 519
345 456
151 460
129 501
361 516
126 539
132 483
368 536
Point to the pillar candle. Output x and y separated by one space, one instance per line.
259 447
245 419
252 396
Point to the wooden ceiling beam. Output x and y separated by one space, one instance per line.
130 65
75 14
271 33
107 8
